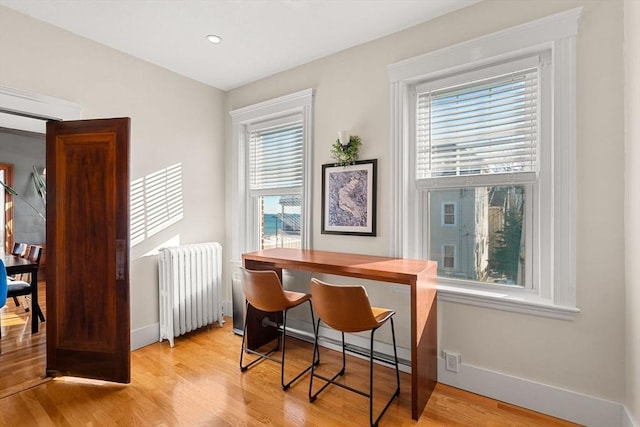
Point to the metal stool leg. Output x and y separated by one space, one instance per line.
244 348
396 393
262 356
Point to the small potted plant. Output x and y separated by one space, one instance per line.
346 153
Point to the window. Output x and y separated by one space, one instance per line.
470 135
448 214
448 256
276 151
271 148
485 139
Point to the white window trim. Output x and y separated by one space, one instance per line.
244 240
556 296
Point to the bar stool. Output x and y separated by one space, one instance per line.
348 310
263 290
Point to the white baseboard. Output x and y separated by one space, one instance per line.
151 334
145 336
565 404
627 421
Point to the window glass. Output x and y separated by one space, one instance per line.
275 154
490 237
449 254
280 224
482 127
275 180
449 214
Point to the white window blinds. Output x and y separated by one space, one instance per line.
484 127
276 154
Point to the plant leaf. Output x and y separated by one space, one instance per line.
39 184
9 189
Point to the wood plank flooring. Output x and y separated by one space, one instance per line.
198 383
22 354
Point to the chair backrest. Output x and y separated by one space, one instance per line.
3 283
263 290
19 249
33 253
344 308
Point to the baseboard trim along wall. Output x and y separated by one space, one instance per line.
151 334
557 402
145 336
626 419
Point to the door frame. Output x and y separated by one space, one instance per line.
7 234
29 111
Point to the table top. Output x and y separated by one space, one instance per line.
16 264
397 270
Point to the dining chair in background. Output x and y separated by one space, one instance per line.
347 309
3 291
19 249
263 291
18 288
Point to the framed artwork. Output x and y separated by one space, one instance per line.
349 198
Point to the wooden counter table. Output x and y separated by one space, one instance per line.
420 275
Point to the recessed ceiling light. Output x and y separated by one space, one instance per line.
214 39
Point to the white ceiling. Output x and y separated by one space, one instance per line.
260 37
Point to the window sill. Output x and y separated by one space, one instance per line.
503 301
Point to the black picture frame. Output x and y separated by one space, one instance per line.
349 198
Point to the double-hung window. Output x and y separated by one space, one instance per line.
271 181
276 149
483 166
476 145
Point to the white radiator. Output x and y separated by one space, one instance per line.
190 288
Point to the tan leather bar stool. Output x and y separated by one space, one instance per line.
263 290
347 309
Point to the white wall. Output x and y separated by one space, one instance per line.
632 211
586 355
173 120
25 150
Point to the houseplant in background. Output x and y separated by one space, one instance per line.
40 187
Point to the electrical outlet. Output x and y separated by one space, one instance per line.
452 361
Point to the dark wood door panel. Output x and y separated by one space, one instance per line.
87 241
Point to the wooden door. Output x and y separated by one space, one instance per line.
88 325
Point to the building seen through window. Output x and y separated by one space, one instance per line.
487 243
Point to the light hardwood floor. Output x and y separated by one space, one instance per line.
198 383
22 354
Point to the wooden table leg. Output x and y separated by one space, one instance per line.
424 348
35 308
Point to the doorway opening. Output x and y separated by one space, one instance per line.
22 155
23 115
